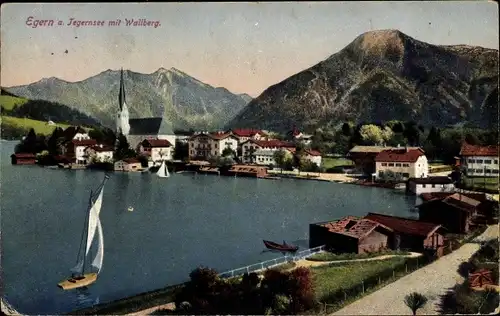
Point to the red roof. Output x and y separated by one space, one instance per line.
358 228
399 155
403 225
442 195
246 132
101 148
272 143
475 150
24 155
131 160
313 153
84 142
156 143
221 135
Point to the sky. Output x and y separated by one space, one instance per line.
244 47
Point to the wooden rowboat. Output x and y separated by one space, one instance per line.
280 247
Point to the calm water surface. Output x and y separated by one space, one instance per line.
177 225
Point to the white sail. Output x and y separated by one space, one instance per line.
93 220
78 267
97 263
161 172
166 172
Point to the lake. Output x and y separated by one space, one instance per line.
177 224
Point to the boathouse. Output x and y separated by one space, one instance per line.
247 171
23 159
411 234
430 184
350 235
128 164
455 212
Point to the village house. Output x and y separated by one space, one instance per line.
249 148
75 133
156 150
313 156
406 162
455 212
75 150
350 235
128 164
245 134
99 153
430 184
411 234
206 145
479 161
300 137
363 157
23 159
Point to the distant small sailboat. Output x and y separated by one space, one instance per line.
93 226
130 209
163 171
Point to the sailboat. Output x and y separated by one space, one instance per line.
92 230
163 171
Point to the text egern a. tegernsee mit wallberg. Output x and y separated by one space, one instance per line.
35 23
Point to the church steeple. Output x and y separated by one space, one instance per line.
121 97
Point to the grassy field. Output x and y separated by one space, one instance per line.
328 256
7 102
329 279
490 183
335 162
39 126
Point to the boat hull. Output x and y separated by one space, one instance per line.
274 246
73 283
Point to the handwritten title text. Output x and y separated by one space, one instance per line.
72 22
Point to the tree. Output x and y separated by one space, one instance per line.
29 143
228 152
412 133
415 301
371 134
123 149
279 157
301 290
346 129
54 141
251 154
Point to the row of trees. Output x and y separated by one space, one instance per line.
51 146
278 292
439 144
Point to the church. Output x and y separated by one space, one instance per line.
138 129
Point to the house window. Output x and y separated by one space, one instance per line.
433 185
496 162
406 175
495 171
423 185
471 160
479 161
487 162
384 164
488 171
391 165
398 165
406 165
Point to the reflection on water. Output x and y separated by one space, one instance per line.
83 299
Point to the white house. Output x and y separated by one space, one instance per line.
313 156
479 161
300 137
81 135
75 150
205 145
409 163
156 150
249 148
100 152
245 134
430 185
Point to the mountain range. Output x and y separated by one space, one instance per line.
183 101
383 75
